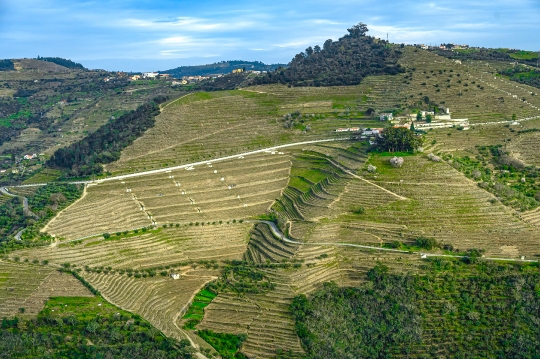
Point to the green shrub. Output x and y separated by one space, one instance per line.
426 243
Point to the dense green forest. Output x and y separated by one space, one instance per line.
62 62
343 62
456 309
524 75
87 328
43 204
222 67
85 157
6 65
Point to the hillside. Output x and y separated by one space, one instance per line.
45 106
343 62
217 68
244 224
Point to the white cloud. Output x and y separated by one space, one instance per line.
323 22
186 24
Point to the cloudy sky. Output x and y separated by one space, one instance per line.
160 34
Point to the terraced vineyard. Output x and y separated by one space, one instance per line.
28 286
223 191
127 236
151 249
317 178
161 301
450 208
102 208
526 147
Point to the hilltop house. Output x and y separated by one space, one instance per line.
150 74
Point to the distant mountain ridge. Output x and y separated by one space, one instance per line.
222 67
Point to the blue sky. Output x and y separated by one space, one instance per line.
161 34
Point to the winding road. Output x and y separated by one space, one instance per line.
168 169
26 210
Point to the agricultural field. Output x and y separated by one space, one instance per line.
150 249
345 208
26 286
223 191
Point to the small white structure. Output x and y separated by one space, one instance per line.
386 117
150 74
175 276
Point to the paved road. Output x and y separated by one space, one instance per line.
275 230
26 210
5 191
220 159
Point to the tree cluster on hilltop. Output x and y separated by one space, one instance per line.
6 65
85 157
62 62
342 62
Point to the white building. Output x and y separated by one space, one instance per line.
386 117
150 74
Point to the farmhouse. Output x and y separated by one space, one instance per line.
342 130
175 276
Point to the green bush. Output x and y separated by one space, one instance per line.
426 243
